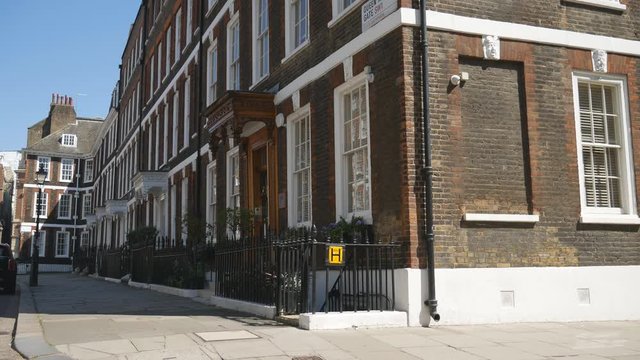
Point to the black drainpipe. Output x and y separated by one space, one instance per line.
199 106
142 102
431 302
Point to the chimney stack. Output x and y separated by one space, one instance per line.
57 99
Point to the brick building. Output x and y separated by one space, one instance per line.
61 145
9 163
308 111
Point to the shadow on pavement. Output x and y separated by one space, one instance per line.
72 294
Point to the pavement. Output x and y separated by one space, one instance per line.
8 314
69 316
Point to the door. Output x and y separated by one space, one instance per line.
260 191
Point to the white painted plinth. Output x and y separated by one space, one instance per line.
347 320
112 280
261 310
508 295
138 285
185 293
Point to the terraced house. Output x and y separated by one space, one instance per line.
60 144
306 112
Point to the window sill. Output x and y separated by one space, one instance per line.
607 4
258 81
293 52
503 218
336 19
610 219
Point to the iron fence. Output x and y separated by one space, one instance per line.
245 269
294 273
113 262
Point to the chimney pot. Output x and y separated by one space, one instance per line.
71 101
53 98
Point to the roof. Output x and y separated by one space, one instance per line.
86 131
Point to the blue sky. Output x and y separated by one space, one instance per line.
70 47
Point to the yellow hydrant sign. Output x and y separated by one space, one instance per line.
335 255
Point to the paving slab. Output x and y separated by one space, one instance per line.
245 349
226 335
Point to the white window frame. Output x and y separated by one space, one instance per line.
233 64
165 158
86 205
187 114
69 140
212 201
176 123
88 170
184 204
44 160
63 163
173 212
235 152
338 11
212 72
298 116
60 215
42 242
189 25
210 5
152 75
84 239
45 205
167 60
340 165
66 239
160 63
289 33
606 4
627 213
258 40
178 39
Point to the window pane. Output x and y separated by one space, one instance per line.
600 145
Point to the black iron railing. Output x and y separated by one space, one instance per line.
294 274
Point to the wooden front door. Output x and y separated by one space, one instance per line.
262 192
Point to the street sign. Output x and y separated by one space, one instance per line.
374 11
335 255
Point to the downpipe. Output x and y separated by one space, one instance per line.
431 301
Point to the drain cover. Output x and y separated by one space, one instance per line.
226 335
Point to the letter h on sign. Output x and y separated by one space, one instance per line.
335 255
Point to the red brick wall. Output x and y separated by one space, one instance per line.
558 239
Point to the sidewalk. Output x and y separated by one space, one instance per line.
85 318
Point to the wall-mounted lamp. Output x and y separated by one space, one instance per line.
280 120
459 78
370 75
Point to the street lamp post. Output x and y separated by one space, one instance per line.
41 177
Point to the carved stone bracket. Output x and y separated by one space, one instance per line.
491 47
599 60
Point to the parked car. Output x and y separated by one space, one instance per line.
8 269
